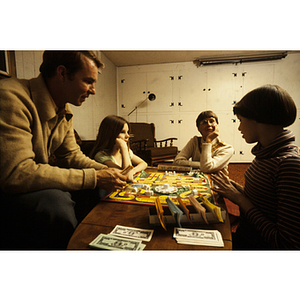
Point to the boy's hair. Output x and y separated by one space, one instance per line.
268 104
72 60
204 115
109 130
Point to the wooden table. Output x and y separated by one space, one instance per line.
106 215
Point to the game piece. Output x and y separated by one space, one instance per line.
195 192
149 193
146 187
187 186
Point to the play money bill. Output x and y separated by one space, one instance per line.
198 236
133 233
111 242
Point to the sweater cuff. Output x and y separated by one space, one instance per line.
206 148
89 179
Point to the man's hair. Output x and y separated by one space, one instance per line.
268 104
204 115
72 60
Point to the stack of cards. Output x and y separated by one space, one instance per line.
160 213
123 238
175 211
198 237
198 207
216 210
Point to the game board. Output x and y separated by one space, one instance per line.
147 186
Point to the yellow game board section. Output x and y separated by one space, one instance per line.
198 185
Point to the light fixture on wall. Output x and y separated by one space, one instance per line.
151 97
205 62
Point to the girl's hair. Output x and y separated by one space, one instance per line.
204 115
109 130
268 104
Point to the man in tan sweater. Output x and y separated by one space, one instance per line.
36 122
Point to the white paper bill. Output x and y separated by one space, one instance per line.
200 243
198 237
111 242
133 233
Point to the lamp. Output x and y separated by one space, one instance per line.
202 62
151 97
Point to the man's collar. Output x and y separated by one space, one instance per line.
44 102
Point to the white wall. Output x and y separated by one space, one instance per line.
87 117
28 63
183 91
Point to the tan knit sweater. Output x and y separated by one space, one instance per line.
30 132
213 157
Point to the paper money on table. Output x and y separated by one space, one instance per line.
198 237
112 242
133 233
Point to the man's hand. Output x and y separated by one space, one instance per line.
110 179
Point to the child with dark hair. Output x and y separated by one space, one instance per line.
270 201
207 153
112 146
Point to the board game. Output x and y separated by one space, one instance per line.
149 185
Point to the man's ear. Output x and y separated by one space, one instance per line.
61 71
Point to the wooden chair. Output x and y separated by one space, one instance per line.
144 144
